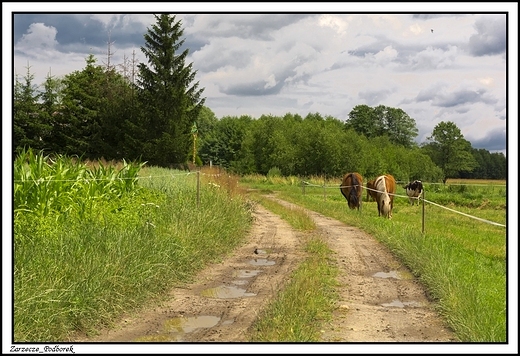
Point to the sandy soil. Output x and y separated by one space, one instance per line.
380 301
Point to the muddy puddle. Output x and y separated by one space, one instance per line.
261 262
225 292
398 304
174 329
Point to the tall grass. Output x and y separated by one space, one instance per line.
461 261
79 265
45 185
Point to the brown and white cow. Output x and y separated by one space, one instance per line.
414 190
385 186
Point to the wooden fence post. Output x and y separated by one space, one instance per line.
423 197
198 188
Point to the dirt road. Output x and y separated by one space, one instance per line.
380 301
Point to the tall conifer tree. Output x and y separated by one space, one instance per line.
170 99
28 127
79 130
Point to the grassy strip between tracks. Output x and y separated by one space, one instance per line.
307 301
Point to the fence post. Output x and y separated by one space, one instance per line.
198 188
361 200
303 187
423 197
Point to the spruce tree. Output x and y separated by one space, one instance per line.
28 125
170 99
79 130
51 107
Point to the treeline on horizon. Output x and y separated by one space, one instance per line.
155 113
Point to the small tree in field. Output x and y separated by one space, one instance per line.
449 150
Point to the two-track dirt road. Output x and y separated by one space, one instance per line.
380 301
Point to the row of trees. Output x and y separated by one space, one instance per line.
155 112
313 145
316 145
98 112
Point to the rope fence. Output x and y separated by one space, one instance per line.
422 199
123 178
304 184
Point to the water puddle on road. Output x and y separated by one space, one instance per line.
244 273
174 329
226 292
398 304
261 262
240 282
394 274
187 325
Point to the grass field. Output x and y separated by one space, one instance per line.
92 241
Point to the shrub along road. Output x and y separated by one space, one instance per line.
380 301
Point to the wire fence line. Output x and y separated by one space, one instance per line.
420 198
172 175
470 184
198 173
304 183
470 216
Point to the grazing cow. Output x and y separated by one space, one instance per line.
385 186
371 190
414 190
352 188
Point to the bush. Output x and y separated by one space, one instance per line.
274 172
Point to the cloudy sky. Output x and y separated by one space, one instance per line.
443 66
436 61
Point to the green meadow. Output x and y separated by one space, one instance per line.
95 239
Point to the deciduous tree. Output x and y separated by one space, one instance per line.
449 150
383 121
